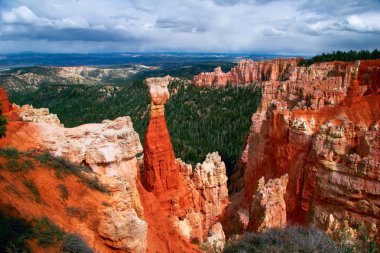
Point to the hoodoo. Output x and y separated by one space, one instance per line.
161 169
5 105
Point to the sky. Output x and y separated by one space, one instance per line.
303 27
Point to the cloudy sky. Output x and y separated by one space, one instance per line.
255 26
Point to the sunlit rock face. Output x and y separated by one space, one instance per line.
268 209
160 168
248 72
322 132
109 149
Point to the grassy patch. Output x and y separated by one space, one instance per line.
106 204
47 233
33 188
14 234
64 191
76 212
10 153
14 161
63 167
291 239
75 244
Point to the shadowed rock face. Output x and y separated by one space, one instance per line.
160 168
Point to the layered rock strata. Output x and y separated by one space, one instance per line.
329 150
280 70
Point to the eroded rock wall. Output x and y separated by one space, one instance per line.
329 149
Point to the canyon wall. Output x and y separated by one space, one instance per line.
249 71
322 130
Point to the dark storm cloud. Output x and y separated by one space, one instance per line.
277 26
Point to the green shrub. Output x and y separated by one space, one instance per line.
291 239
33 188
47 233
10 153
63 167
64 191
13 165
14 234
27 164
75 244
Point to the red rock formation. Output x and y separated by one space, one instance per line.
268 209
5 105
160 168
248 71
330 150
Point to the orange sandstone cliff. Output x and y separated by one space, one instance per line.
322 129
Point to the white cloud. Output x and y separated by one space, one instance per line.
20 15
191 25
368 23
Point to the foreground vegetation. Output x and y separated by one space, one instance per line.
21 162
200 120
295 239
16 235
342 56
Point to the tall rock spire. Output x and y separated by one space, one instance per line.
5 105
161 168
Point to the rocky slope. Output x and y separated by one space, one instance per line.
187 203
322 130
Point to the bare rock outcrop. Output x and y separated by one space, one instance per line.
268 209
109 149
210 180
38 115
